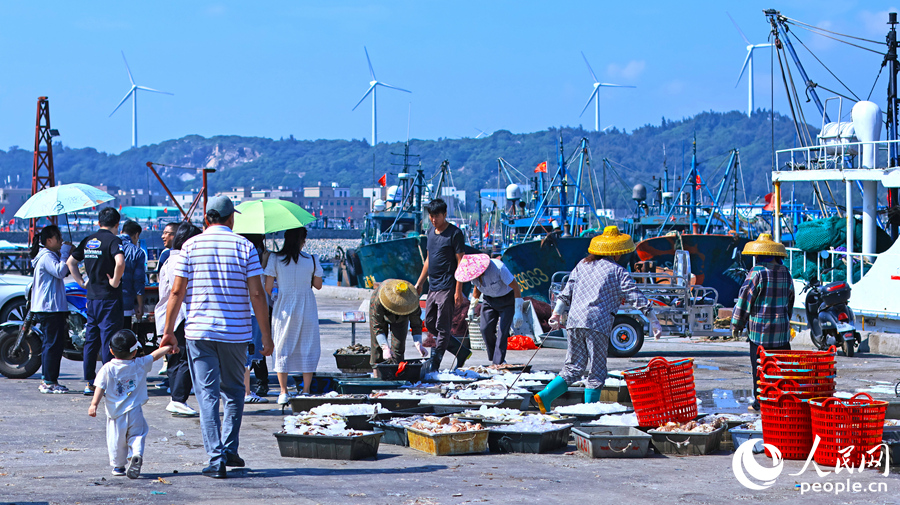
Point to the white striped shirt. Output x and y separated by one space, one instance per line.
217 264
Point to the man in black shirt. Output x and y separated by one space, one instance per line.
446 247
104 263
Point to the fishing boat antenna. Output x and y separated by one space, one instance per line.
892 109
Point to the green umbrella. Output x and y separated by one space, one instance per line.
270 216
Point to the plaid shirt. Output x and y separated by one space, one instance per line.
594 293
381 318
766 300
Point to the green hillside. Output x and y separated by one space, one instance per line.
263 162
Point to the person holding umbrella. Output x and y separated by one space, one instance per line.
502 308
587 306
394 311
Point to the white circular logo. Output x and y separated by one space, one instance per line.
746 468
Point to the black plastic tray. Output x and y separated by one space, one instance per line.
388 371
365 387
305 403
324 447
396 403
393 435
687 444
353 362
500 441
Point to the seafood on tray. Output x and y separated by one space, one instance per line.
359 409
324 425
691 427
591 409
433 424
496 414
354 349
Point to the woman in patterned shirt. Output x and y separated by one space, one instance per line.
587 306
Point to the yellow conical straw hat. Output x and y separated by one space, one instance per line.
765 246
399 297
611 243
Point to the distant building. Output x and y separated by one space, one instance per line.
335 203
12 199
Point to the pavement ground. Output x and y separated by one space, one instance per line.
52 452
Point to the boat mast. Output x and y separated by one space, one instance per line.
693 181
892 110
563 180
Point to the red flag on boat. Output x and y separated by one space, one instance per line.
542 168
120 206
486 234
699 182
383 181
165 210
770 202
12 222
3 210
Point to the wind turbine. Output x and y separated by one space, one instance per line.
594 94
748 63
133 94
372 85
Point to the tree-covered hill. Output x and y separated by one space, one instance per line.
264 163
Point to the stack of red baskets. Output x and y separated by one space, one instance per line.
663 392
849 430
787 381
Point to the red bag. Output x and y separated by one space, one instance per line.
520 343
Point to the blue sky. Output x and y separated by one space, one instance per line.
274 69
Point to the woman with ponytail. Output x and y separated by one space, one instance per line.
48 302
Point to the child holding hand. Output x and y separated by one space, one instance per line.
123 382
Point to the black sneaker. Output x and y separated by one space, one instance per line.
215 471
134 469
232 459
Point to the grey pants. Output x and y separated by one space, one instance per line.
587 351
494 312
217 370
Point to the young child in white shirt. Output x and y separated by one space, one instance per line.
123 381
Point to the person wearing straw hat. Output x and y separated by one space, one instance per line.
587 306
765 302
394 309
502 301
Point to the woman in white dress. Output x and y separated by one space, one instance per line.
295 318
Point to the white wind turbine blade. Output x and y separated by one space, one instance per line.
371 70
363 97
130 91
589 67
392 87
608 85
154 90
739 29
744 67
593 94
127 68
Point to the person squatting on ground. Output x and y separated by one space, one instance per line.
217 276
135 275
48 302
104 263
122 382
587 306
503 305
765 303
394 310
295 316
178 373
446 247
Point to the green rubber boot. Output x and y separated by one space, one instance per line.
592 395
553 391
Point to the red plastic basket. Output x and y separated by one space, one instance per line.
771 369
786 424
801 357
848 430
663 391
799 389
817 368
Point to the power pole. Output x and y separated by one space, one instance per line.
42 173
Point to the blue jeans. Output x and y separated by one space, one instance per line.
104 319
217 370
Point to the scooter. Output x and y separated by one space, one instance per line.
21 341
829 315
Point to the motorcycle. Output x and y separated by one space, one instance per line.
829 315
21 341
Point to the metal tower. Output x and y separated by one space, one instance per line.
42 175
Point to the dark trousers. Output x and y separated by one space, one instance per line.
104 319
499 310
754 350
55 327
398 332
261 371
439 318
127 322
179 373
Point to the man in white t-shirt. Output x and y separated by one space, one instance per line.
218 278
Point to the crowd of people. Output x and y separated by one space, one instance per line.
226 303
